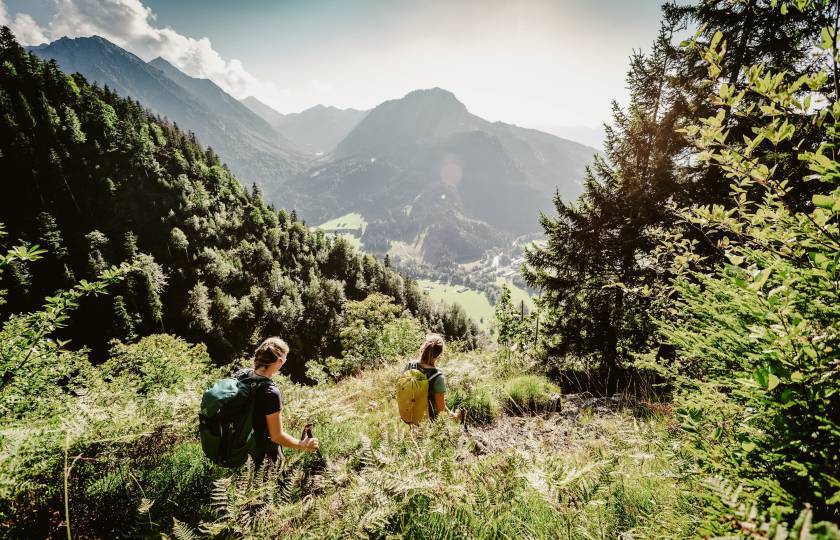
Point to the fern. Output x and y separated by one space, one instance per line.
182 531
747 521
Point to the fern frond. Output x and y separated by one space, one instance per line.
182 531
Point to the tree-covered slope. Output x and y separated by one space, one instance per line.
244 141
97 179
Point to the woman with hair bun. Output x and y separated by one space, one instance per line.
268 420
430 351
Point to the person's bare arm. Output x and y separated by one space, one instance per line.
275 431
440 406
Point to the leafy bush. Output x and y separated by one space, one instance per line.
155 363
530 393
124 439
375 332
759 336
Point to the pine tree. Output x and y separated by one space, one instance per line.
597 245
598 268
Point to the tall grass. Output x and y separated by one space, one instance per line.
139 472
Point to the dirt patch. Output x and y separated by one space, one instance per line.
563 430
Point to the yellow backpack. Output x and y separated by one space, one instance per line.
413 394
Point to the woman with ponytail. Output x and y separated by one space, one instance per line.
430 351
268 420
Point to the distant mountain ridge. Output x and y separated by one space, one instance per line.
425 172
224 105
316 130
246 142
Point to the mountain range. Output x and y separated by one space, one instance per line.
316 130
434 182
437 183
245 141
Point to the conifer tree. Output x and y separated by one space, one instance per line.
598 269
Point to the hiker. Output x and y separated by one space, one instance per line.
421 389
268 417
240 415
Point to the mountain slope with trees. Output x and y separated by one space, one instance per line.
97 180
251 147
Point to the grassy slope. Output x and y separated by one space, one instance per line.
353 221
591 470
348 222
475 303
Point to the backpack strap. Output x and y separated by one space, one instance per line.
255 381
429 395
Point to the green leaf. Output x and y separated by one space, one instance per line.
718 36
760 279
735 259
823 201
825 38
760 375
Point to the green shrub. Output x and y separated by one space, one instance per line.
156 363
758 333
480 402
530 393
375 332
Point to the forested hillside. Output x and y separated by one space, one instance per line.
98 180
247 143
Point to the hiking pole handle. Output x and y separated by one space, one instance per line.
307 434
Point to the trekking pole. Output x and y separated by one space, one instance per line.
307 434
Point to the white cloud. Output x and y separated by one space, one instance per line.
24 26
131 25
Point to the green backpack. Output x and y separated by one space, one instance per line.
226 419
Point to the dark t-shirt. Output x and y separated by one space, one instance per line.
436 384
269 400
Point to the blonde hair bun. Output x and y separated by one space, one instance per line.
431 349
268 351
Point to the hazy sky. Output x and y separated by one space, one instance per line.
536 63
